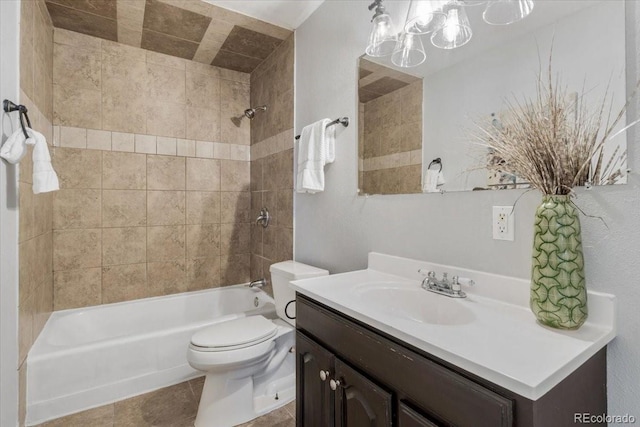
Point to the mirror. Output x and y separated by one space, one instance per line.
390 130
477 82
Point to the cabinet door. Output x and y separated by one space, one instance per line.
359 401
314 369
407 417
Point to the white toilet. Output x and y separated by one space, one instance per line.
249 362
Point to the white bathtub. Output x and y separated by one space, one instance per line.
92 356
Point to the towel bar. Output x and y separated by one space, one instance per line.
344 121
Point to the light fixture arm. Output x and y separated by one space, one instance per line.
377 4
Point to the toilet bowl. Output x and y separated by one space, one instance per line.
249 362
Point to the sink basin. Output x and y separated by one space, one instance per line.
414 303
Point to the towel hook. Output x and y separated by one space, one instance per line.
10 107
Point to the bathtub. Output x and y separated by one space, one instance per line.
88 357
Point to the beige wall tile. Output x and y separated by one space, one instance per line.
203 174
166 207
285 208
73 106
236 207
165 84
124 208
203 240
78 168
166 243
74 249
77 208
166 146
71 137
186 147
203 273
165 278
124 283
124 171
72 38
235 176
204 149
98 140
235 239
123 142
202 91
145 144
165 173
122 76
203 207
77 288
165 60
203 124
166 119
124 245
74 66
234 269
235 98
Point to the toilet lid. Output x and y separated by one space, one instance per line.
235 333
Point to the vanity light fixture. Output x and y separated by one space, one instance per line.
425 16
409 51
383 38
456 30
446 20
505 12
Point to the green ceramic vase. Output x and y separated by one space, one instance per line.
558 291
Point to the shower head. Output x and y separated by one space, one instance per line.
250 113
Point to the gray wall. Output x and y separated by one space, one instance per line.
336 229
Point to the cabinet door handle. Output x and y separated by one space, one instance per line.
334 384
324 375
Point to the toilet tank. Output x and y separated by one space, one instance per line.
281 274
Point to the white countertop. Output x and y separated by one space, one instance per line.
502 344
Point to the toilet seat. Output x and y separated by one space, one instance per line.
234 334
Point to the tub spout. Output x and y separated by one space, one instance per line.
258 283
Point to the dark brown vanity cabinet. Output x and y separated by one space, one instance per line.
350 375
333 393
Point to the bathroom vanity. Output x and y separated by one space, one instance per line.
367 363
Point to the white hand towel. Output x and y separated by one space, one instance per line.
44 177
14 148
432 181
316 148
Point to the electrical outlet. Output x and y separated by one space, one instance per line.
503 220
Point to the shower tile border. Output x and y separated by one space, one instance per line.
72 137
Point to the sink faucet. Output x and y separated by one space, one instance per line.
445 287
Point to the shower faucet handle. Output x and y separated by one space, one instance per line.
264 218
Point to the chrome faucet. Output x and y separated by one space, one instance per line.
258 283
451 288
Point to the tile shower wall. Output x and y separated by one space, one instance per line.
152 201
35 249
392 141
272 159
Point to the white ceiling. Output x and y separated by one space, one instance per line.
284 13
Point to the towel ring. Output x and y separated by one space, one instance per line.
10 107
436 161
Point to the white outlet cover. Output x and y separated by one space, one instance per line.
503 223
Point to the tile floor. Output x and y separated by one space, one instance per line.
174 406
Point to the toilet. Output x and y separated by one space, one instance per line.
250 362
